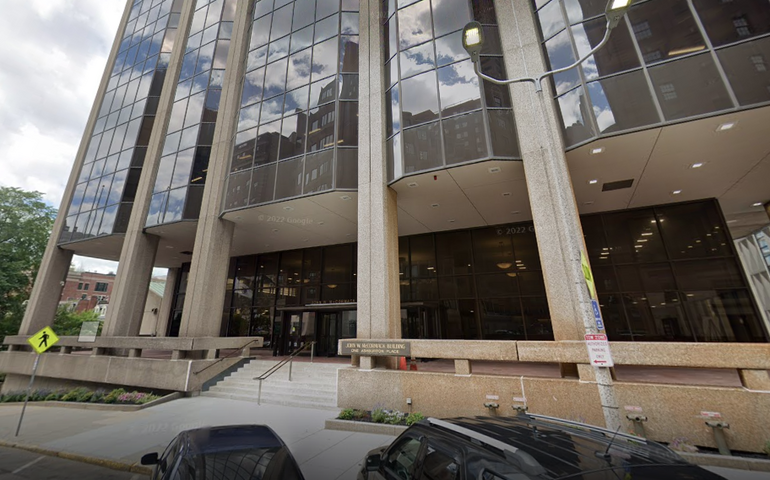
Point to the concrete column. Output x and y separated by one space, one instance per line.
205 298
164 312
379 299
552 199
46 291
137 257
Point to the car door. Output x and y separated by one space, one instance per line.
401 460
168 460
440 461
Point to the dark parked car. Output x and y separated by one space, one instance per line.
245 452
523 447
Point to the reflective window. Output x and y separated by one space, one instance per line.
464 138
422 148
727 22
420 97
574 115
665 30
616 56
459 89
682 86
622 102
414 25
747 67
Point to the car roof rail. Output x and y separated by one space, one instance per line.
605 431
526 462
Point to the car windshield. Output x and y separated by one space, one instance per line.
273 463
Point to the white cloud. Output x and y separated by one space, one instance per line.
53 54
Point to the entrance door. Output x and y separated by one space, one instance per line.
328 328
420 322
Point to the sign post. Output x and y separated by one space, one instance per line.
41 341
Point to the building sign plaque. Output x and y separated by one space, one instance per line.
374 348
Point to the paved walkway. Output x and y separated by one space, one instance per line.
126 436
18 464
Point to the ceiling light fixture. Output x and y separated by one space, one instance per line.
411 185
451 221
646 234
594 181
726 126
494 170
757 204
345 197
504 265
597 151
434 205
676 192
288 208
507 194
511 274
696 165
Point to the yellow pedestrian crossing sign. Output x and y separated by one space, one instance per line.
43 340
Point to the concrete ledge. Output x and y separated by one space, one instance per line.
115 407
741 463
101 462
364 427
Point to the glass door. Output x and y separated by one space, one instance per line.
328 328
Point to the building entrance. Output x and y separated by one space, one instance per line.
297 326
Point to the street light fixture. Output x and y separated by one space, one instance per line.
473 41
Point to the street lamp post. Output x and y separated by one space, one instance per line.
473 40
550 191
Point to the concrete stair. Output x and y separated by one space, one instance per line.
313 385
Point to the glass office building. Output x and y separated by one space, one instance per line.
253 118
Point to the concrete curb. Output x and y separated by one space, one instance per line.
740 463
115 407
364 427
101 462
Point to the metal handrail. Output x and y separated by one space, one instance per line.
280 365
228 355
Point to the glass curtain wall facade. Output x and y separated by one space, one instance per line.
667 273
667 61
437 113
298 122
106 187
178 189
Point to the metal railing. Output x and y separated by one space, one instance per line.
239 350
279 365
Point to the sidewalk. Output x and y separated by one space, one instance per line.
126 436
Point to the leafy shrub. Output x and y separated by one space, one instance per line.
135 397
98 396
54 396
360 414
39 395
347 414
413 418
379 416
112 397
12 397
74 394
394 417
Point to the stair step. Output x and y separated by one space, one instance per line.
288 392
295 396
285 402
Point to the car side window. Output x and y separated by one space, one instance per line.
400 460
169 459
440 464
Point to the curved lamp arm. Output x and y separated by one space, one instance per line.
537 80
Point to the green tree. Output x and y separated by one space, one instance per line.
25 225
69 323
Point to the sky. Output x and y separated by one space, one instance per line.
52 56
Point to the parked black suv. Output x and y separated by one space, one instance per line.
523 447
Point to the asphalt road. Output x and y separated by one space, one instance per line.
18 464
